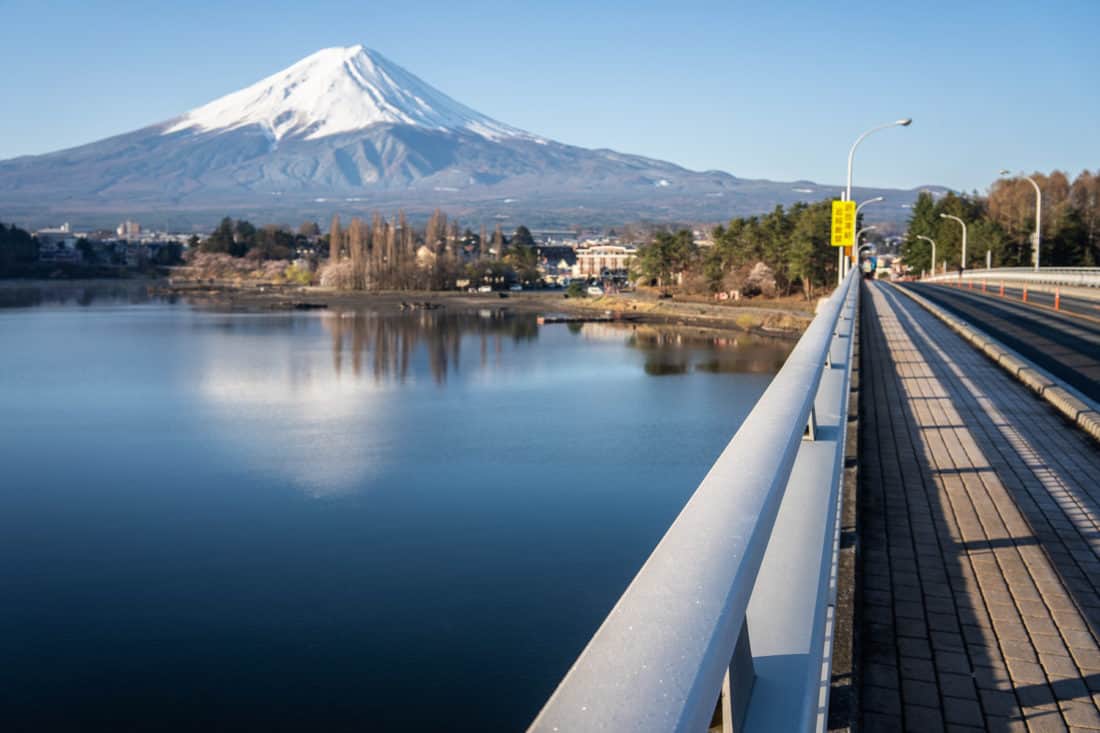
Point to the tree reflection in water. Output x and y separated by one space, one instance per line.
383 344
671 351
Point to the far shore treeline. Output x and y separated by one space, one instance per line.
1003 223
783 251
779 253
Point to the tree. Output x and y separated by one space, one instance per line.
499 242
1085 196
923 221
272 242
221 239
523 237
810 258
17 247
85 249
666 257
357 251
335 239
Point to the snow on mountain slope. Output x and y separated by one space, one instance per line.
339 90
352 129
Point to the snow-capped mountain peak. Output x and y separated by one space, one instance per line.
339 90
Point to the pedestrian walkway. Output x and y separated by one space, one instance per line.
980 539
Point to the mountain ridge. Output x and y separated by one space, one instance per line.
346 125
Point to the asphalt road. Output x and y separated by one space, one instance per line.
1064 343
1068 303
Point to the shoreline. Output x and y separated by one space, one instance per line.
773 322
777 322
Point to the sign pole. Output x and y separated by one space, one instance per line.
843 234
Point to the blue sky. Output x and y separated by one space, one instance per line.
761 89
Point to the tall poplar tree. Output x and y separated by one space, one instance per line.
335 239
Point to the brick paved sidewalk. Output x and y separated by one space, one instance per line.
980 539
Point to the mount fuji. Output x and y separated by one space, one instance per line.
347 129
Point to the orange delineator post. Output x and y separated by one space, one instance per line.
1057 298
1024 296
1002 288
983 286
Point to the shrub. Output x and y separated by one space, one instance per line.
576 290
298 275
337 275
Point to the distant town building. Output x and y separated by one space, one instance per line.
57 243
604 260
128 230
556 262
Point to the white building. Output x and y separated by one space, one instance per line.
128 230
52 239
604 260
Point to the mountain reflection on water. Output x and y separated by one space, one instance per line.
290 515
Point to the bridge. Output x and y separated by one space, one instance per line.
904 534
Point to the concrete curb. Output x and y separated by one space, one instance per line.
1081 411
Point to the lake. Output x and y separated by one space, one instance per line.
332 520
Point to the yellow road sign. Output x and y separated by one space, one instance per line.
844 223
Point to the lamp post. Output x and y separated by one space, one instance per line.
859 208
875 200
868 228
848 188
858 247
864 229
852 152
1038 216
933 243
962 266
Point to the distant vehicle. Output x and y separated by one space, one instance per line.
869 266
485 289
595 290
516 288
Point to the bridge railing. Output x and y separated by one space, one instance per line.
1083 277
730 618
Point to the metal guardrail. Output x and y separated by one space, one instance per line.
730 618
1082 277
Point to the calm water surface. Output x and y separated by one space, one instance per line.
330 521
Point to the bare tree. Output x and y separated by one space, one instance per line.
335 239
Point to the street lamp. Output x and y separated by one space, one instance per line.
933 243
851 156
858 248
852 152
962 267
875 200
1038 215
864 229
859 208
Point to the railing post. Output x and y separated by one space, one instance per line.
736 686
